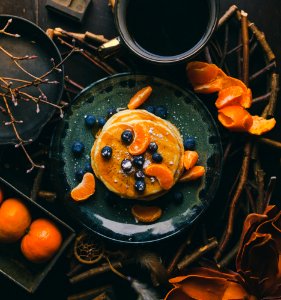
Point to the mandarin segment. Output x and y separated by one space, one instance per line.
15 218
229 96
85 188
190 158
141 140
193 174
146 214
140 97
235 118
42 241
162 173
261 125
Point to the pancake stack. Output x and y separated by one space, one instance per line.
120 177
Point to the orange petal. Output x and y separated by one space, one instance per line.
162 173
146 214
140 97
261 125
235 118
200 72
190 158
141 140
229 96
193 174
85 188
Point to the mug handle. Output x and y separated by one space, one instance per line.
109 48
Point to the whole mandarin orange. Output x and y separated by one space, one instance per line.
14 220
42 241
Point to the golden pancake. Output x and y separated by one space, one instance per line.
109 171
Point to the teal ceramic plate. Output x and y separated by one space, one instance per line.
109 215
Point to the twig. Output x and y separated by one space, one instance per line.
95 271
74 83
4 32
263 70
269 191
188 259
229 257
262 98
274 88
245 43
250 198
208 55
36 184
270 142
179 253
241 184
227 15
89 293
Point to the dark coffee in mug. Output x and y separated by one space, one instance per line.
167 27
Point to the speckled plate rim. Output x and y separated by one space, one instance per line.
197 210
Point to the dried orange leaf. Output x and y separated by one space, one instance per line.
235 118
140 97
146 214
162 173
261 125
193 174
190 158
141 140
85 188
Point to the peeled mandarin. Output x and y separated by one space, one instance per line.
141 140
140 97
229 96
162 173
235 118
193 174
146 214
190 158
261 125
85 188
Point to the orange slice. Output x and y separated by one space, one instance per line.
85 188
190 158
261 125
141 140
193 174
146 214
162 173
235 118
140 97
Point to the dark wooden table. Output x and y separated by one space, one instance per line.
98 19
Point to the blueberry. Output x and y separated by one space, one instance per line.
110 112
161 111
140 186
189 143
90 121
77 148
139 175
152 147
101 121
88 167
106 152
79 175
178 197
138 161
127 137
157 157
126 165
150 109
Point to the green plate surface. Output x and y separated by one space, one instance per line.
105 213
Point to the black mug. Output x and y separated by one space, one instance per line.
163 31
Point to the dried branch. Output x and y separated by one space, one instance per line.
227 15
